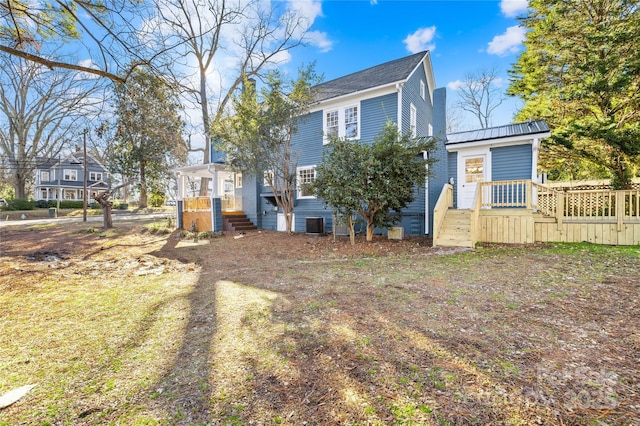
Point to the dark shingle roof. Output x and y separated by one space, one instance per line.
379 75
507 131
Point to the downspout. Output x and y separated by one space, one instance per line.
425 156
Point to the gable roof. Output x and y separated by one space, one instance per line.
74 159
379 75
500 132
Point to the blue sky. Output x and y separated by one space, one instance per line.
463 37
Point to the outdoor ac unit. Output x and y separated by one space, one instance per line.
315 226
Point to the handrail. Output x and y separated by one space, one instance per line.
445 201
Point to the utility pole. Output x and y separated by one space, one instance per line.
84 192
59 190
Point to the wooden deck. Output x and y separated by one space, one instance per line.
520 211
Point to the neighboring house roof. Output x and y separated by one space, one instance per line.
500 132
379 75
71 160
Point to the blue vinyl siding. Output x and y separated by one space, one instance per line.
374 114
424 108
511 162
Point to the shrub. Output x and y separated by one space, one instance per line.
18 204
156 200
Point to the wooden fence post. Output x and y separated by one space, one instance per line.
559 209
620 209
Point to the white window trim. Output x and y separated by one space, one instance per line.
42 174
423 90
238 180
298 183
413 120
73 175
96 176
341 120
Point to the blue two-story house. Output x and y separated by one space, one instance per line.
354 106
63 178
358 106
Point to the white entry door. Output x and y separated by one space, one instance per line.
282 224
471 170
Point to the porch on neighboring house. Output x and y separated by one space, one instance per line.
521 211
214 208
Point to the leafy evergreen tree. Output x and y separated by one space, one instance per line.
375 180
581 73
148 140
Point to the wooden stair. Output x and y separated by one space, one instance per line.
456 229
237 222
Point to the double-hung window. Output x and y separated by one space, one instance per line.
44 176
95 176
333 127
70 174
342 122
306 178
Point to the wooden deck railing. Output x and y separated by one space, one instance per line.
507 193
197 204
590 206
445 201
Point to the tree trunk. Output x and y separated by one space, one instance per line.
352 231
370 230
143 187
103 200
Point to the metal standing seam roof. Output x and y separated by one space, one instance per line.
506 131
379 75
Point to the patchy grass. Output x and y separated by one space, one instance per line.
129 327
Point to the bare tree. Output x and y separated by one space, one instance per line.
480 95
104 32
213 35
40 112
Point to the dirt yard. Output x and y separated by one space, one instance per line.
131 326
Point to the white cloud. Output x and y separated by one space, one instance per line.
506 43
320 40
455 85
513 8
421 40
308 10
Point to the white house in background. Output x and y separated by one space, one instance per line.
64 178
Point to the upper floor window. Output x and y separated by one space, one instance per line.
44 176
413 120
95 176
70 174
332 124
351 122
423 90
343 122
306 177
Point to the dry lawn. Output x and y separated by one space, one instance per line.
131 327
